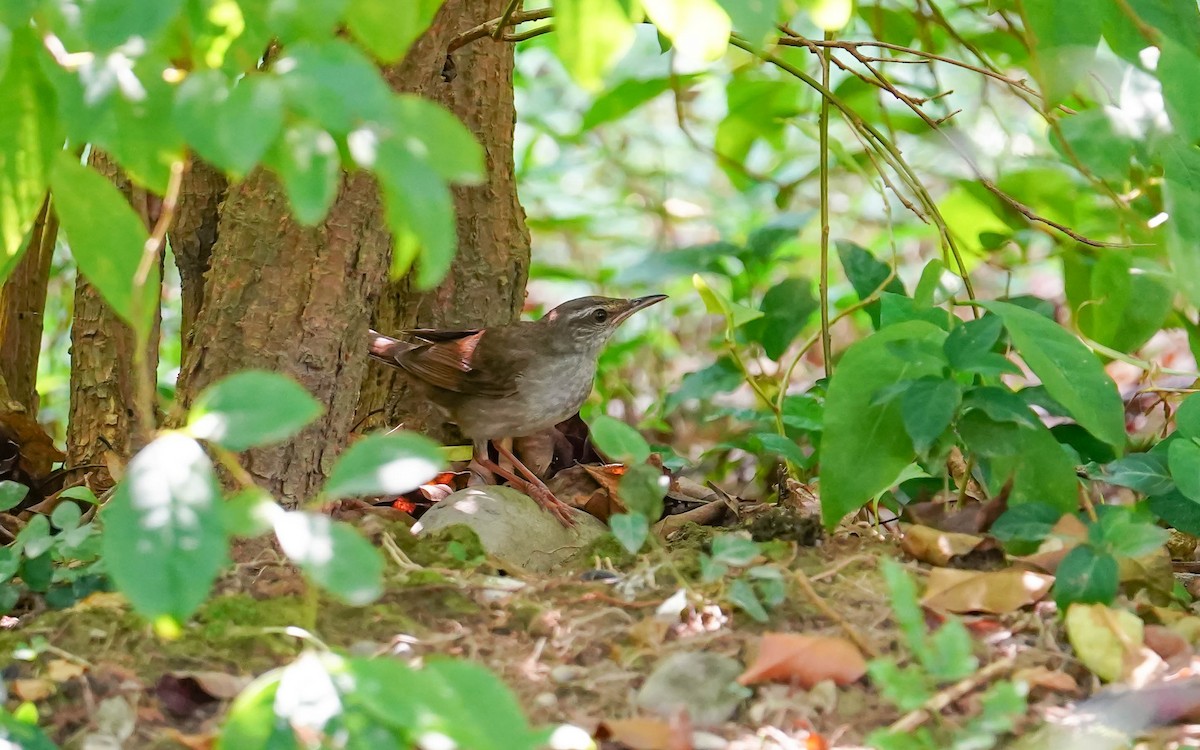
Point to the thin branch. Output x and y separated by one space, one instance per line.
823 283
489 28
504 18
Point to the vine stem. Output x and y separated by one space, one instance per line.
823 284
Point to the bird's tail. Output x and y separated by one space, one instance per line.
385 348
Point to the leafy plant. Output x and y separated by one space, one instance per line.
938 659
752 588
57 556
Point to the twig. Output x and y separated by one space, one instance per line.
816 600
936 704
838 567
503 20
823 283
488 28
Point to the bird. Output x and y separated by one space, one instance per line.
502 382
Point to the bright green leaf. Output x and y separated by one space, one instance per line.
753 19
698 29
591 36
106 237
1063 35
420 216
332 554
11 493
1187 416
388 28
252 408
384 464
1068 370
1184 460
618 441
230 125
163 540
306 158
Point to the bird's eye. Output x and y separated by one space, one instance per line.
600 315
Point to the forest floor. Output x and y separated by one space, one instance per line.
576 647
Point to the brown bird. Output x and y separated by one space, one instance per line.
510 381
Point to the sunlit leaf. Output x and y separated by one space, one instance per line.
163 540
591 36
332 554
698 29
387 28
251 408
618 440
384 464
230 124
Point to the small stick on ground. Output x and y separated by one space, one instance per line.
807 587
938 702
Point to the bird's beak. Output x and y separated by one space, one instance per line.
639 303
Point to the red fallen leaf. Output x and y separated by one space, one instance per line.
805 660
405 505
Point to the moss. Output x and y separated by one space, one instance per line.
785 524
453 547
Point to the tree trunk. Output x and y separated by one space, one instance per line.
22 306
486 284
193 236
102 418
294 300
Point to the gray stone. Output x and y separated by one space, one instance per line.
704 684
513 528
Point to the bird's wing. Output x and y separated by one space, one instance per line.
445 360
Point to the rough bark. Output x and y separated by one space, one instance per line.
486 284
193 235
22 306
102 418
293 300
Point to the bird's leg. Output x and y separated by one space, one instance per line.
536 488
530 485
479 453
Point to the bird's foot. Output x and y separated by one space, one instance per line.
542 495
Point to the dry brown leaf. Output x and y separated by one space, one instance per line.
38 454
1168 644
1043 678
61 670
32 689
638 734
191 741
1064 537
804 660
935 547
995 592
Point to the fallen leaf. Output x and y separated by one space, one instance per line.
33 689
1063 537
61 670
936 547
38 454
995 592
1168 644
637 734
1106 640
1047 679
191 741
805 660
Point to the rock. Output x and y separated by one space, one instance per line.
512 527
703 683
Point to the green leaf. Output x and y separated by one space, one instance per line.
742 595
736 315
1178 510
928 406
902 593
163 537
334 84
65 517
251 408
1001 404
591 36
380 464
1181 192
230 124
19 734
866 273
80 493
779 445
387 29
865 447
420 216
721 376
1176 72
630 529
34 539
1184 460
753 19
758 109
626 96
786 308
618 441
106 237
1124 305
429 132
1118 530
479 711
698 29
1028 522
950 656
1041 470
1145 472
736 549
252 724
29 136
1063 37
11 494
1187 416
332 554
1085 576
642 488
973 340
313 19
930 284
1068 370
249 513
306 158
